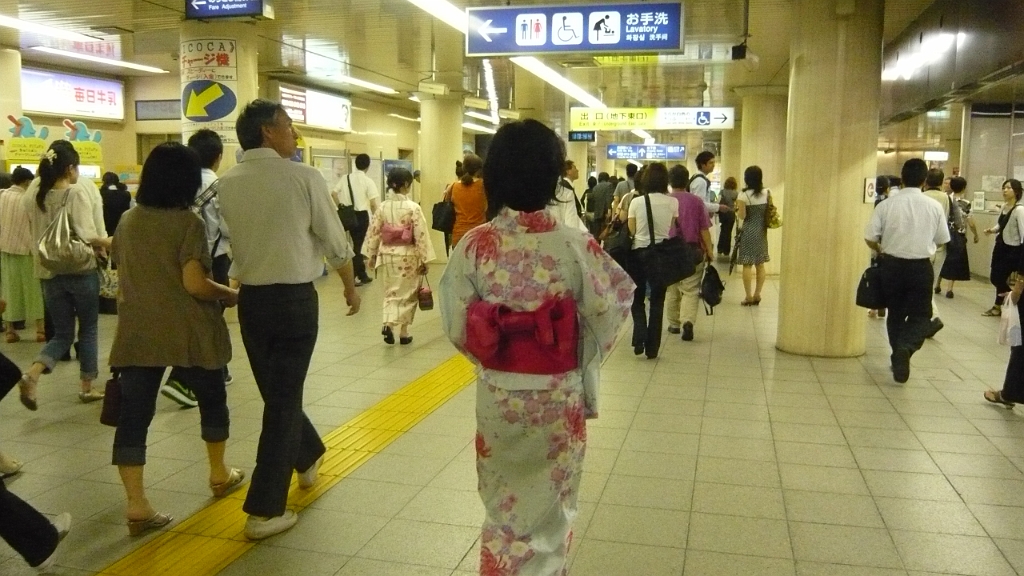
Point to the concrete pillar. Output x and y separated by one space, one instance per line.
834 93
219 66
730 159
440 148
10 79
529 95
578 152
602 163
694 146
763 137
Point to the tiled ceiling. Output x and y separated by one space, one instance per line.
389 42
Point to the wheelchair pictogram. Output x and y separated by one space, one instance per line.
567 29
703 118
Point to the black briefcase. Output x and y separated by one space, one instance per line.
869 292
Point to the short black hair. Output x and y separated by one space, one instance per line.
518 148
753 177
603 177
109 178
881 185
914 173
362 161
208 146
655 178
591 182
631 170
934 178
1015 185
704 157
957 184
569 165
21 175
252 119
679 176
399 177
170 177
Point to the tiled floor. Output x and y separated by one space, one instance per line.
723 457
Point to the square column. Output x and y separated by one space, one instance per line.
440 147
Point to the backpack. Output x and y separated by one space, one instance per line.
711 289
702 177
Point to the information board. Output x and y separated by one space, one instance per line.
651 118
646 152
512 30
205 9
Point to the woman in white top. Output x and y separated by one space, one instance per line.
1009 231
68 296
399 243
752 237
18 284
665 209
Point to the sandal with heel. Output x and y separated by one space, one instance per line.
235 478
157 520
28 400
996 397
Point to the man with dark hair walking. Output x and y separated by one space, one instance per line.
904 231
359 190
283 226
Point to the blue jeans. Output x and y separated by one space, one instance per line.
71 296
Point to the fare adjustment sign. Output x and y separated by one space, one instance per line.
651 119
514 30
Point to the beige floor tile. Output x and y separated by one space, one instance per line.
860 419
851 403
667 423
456 507
739 472
1013 550
1000 521
367 497
736 534
662 493
675 392
894 460
675 407
610 438
815 454
600 460
929 516
672 466
704 563
739 448
844 545
808 433
330 532
737 428
804 568
883 483
822 416
822 479
989 490
957 443
267 559
422 543
592 486
632 525
367 567
969 555
599 558
829 508
976 465
752 501
874 438
940 425
734 411
660 442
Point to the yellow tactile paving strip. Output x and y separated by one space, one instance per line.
213 538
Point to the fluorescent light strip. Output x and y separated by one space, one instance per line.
478 128
367 85
637 164
492 93
643 135
99 60
445 12
481 116
42 29
406 118
415 99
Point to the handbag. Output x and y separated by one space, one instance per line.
668 262
869 291
545 341
60 249
424 295
442 215
711 289
108 279
347 214
111 412
772 220
1009 324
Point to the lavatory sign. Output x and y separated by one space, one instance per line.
209 87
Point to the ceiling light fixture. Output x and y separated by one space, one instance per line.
481 116
415 99
445 12
492 93
637 164
364 84
478 128
643 135
8 22
406 118
100 60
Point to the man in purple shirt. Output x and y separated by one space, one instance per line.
693 225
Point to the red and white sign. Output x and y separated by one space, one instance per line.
57 94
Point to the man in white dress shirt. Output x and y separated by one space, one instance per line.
905 230
359 190
567 206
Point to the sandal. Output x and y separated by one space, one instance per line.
26 392
405 340
996 397
994 311
235 477
90 396
12 337
157 520
9 466
389 335
40 337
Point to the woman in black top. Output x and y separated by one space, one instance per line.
116 201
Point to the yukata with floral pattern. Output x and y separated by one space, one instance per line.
399 263
531 429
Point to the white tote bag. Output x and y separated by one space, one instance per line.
1009 324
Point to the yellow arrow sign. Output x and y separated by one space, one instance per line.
197 103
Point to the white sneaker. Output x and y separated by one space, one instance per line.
308 478
63 525
258 528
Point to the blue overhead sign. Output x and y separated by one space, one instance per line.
644 152
204 9
512 30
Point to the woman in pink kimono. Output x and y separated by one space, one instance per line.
536 306
398 242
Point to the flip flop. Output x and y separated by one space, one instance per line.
996 397
235 477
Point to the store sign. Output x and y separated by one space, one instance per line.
651 118
57 94
204 9
586 136
317 109
513 30
209 87
646 152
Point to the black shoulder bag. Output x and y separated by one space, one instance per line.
669 262
347 214
443 214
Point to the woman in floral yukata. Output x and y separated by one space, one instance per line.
536 306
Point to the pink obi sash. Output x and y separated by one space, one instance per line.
544 341
396 235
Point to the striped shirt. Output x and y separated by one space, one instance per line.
15 225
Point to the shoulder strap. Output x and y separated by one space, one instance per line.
351 198
207 194
650 218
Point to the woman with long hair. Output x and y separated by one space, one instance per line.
469 198
68 297
398 243
536 306
752 236
1008 231
169 315
19 286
